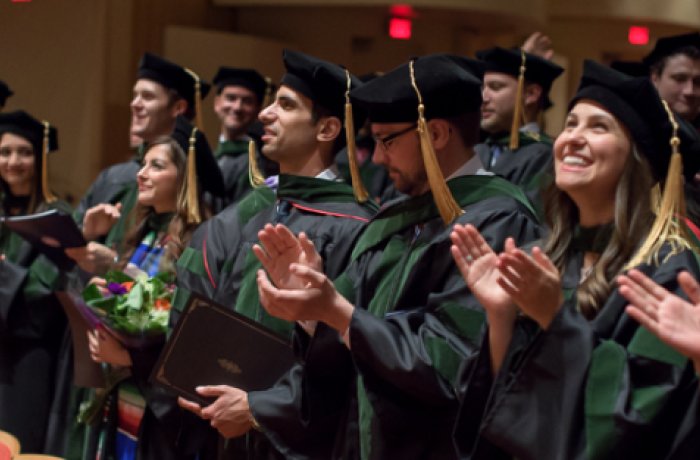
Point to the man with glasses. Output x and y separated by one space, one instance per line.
394 328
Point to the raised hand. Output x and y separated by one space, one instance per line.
98 220
668 316
317 299
279 249
533 282
479 267
540 45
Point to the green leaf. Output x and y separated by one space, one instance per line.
91 292
115 276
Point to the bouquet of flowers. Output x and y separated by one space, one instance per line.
134 310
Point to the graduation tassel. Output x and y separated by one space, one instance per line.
49 197
669 225
358 187
255 177
446 204
192 186
518 111
267 99
199 121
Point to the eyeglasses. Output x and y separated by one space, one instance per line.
386 140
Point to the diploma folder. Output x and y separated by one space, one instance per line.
50 232
214 345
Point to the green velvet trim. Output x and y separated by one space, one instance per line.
193 261
466 189
248 299
466 322
444 359
647 345
605 380
231 148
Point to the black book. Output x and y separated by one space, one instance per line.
50 232
213 345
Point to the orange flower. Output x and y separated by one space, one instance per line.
161 304
128 285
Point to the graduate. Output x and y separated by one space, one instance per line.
162 92
125 418
31 318
382 362
240 95
515 95
573 375
304 127
674 68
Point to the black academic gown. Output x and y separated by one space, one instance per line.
392 395
530 167
600 389
31 326
221 265
113 185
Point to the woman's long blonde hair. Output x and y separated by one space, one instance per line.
633 218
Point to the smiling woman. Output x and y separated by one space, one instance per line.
585 368
158 229
31 319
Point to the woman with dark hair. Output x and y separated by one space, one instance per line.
169 208
565 372
31 319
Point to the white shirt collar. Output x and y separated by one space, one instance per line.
531 127
329 174
470 168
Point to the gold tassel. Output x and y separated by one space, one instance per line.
358 187
255 177
519 110
192 186
267 99
199 121
445 202
669 226
49 197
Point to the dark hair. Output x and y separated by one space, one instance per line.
173 97
318 112
36 199
179 231
467 127
632 221
690 52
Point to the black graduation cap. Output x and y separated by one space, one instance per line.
5 92
42 136
22 124
507 61
171 76
450 86
207 169
635 102
321 81
668 46
247 78
631 68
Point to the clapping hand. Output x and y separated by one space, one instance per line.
673 319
